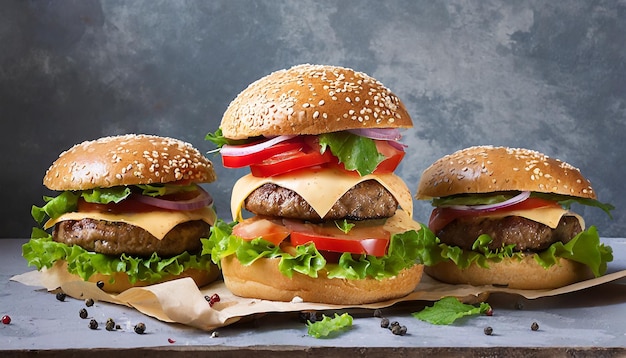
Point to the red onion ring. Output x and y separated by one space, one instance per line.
198 202
391 134
490 207
238 150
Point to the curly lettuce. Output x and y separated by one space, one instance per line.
404 251
584 248
41 251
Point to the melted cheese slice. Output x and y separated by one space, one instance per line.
157 223
548 216
320 188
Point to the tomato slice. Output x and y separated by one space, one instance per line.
289 161
371 240
256 226
393 157
440 217
239 161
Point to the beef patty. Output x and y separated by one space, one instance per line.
116 238
527 235
366 200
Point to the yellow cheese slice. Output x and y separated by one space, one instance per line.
320 188
157 223
548 216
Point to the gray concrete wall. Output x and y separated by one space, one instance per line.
545 75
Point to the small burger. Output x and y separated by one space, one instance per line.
129 213
327 219
502 217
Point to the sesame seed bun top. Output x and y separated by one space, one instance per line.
128 160
312 99
486 169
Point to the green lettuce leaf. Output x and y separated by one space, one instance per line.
328 325
566 201
164 189
65 202
585 248
449 309
41 251
355 152
106 195
404 250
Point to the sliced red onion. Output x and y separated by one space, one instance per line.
378 133
397 145
490 207
198 202
238 150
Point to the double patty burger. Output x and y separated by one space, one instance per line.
502 218
129 213
329 222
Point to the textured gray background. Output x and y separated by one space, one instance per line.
549 76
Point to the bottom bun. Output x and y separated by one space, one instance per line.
525 274
263 280
122 283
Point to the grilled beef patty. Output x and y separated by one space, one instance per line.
527 235
366 200
116 238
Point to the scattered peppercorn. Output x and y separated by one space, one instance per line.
399 330
534 326
378 313
488 330
140 328
100 284
110 325
6 319
61 296
519 306
394 324
117 326
89 302
83 313
93 324
384 323
215 334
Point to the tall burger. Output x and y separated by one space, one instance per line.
330 222
129 212
502 217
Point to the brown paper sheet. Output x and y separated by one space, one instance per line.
183 302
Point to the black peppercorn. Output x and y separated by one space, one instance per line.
399 330
384 323
140 328
89 302
534 326
378 313
394 324
93 324
110 325
488 331
83 313
100 284
61 296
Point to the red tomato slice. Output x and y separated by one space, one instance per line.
255 227
239 161
290 161
440 217
393 157
372 240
